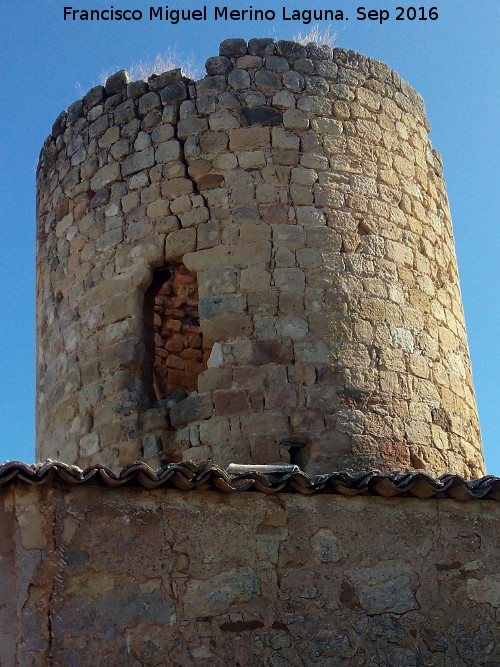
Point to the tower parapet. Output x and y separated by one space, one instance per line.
255 267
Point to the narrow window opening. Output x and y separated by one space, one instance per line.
174 342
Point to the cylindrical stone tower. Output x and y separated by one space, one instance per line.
251 268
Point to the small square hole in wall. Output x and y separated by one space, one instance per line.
176 354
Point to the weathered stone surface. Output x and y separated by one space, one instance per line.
276 63
117 82
267 81
218 65
105 176
159 81
238 255
151 445
74 112
226 304
137 89
233 47
420 588
239 79
191 409
174 92
179 243
148 102
209 181
261 46
262 116
290 49
95 96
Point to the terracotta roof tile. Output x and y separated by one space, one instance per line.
265 479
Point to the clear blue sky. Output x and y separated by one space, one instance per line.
46 64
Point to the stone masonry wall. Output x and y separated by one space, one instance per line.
299 185
140 577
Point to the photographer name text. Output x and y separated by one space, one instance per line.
175 16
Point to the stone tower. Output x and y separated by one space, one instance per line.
255 267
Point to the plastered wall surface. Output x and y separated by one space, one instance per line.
135 577
299 185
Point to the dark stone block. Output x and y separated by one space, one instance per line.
351 59
262 116
211 84
304 66
148 103
173 93
191 409
261 47
59 125
266 80
117 82
319 52
151 445
277 63
137 89
125 112
246 214
209 181
159 81
113 101
95 96
316 85
100 198
272 351
291 50
441 418
218 65
219 306
233 47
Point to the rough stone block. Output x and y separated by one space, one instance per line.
239 79
258 115
295 119
233 47
117 82
126 353
226 328
272 352
179 243
290 49
89 445
125 112
107 175
261 46
267 81
151 445
249 62
174 93
247 254
109 239
95 96
284 139
267 424
214 378
230 402
175 187
218 65
289 279
249 138
158 209
255 279
190 409
138 162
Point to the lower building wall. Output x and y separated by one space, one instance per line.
127 576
